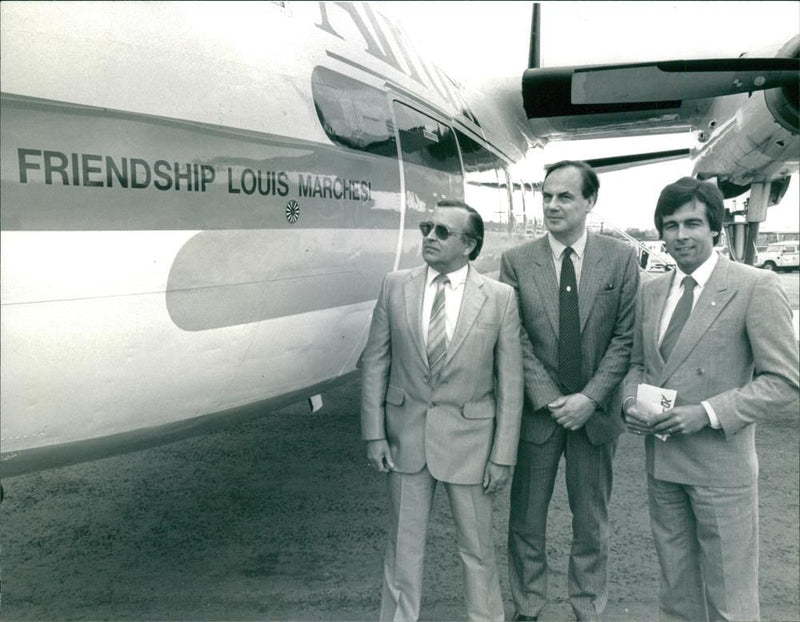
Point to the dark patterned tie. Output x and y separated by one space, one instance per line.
437 335
569 328
679 317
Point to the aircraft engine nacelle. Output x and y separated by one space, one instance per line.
753 137
599 101
752 145
784 103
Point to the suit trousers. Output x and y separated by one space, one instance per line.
706 538
410 501
589 470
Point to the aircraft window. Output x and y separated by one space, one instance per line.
519 211
425 141
430 159
533 210
485 186
353 114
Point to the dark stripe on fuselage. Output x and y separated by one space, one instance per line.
76 168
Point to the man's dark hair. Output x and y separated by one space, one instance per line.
591 184
475 224
685 190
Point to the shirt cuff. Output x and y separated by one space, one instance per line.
712 416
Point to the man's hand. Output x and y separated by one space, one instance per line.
495 477
681 420
571 411
636 422
380 456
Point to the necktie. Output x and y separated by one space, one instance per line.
569 327
437 336
679 317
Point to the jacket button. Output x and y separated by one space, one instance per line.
433 404
700 371
426 379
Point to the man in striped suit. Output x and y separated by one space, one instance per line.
577 295
441 402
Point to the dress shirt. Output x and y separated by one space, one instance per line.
578 249
453 294
701 275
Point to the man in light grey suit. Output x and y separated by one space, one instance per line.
441 402
720 334
577 294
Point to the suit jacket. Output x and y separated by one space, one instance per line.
472 413
606 302
738 352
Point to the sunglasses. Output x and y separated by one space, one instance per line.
442 231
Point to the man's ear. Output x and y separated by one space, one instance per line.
470 247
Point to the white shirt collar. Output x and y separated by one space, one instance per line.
457 278
701 274
557 247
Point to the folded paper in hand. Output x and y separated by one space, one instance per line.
652 401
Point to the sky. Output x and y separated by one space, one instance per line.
475 38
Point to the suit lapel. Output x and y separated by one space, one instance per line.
543 274
652 321
471 305
414 291
714 298
593 271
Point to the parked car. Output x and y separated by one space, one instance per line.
780 256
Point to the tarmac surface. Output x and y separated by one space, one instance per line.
281 519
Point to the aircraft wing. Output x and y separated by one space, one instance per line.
620 162
645 98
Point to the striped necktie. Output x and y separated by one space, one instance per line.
437 335
569 327
679 317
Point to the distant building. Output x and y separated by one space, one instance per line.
770 237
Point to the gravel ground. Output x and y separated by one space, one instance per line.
281 519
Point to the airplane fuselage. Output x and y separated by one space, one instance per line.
199 203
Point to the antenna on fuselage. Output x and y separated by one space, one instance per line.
533 54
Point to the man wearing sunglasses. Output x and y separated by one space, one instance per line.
577 298
441 402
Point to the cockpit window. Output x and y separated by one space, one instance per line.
425 141
431 167
485 187
353 114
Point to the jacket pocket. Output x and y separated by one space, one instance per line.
481 409
395 396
